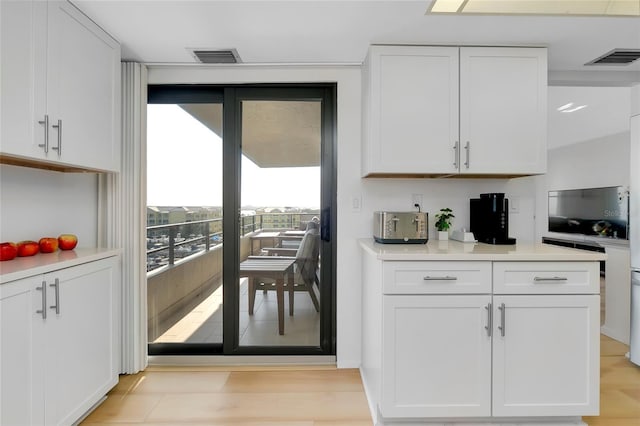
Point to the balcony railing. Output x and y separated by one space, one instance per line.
171 242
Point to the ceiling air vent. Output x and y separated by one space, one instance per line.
617 57
216 56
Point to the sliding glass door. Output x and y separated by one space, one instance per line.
245 265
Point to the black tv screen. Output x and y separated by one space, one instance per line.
602 212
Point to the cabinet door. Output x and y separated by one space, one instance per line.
22 356
82 339
436 357
411 110
546 358
83 90
503 110
23 46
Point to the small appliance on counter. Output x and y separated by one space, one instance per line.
401 227
490 219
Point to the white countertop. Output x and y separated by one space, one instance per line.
41 263
455 250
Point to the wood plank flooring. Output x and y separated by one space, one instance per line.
303 395
237 396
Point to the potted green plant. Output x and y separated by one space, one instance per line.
443 223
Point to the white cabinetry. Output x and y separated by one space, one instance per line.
437 356
521 343
432 110
22 355
60 88
59 346
546 355
410 109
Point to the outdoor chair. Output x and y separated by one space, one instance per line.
306 265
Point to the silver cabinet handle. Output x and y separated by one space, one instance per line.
45 122
456 148
43 289
489 325
538 279
446 278
59 147
503 309
56 286
467 148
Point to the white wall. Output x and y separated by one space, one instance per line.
40 203
374 194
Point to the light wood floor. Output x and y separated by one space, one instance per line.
303 396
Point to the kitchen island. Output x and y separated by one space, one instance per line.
465 332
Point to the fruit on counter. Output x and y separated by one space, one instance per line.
8 251
67 241
27 248
48 244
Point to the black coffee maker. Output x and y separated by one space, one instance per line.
490 219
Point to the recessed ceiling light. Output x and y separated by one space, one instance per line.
446 6
565 106
538 7
574 109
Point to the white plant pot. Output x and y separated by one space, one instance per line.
443 235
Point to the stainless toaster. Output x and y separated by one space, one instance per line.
401 227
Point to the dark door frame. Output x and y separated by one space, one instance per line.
231 96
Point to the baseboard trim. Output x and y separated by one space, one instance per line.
317 361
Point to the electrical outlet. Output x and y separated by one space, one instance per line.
416 199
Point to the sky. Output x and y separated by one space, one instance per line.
184 168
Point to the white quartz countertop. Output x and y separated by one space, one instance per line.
455 250
42 263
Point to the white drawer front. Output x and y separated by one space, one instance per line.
546 278
436 277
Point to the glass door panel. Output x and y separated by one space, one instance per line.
280 212
184 225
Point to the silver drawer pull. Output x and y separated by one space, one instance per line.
489 325
550 278
502 308
56 286
447 278
43 289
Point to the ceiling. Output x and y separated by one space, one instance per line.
339 32
606 113
311 31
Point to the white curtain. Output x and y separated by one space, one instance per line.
132 214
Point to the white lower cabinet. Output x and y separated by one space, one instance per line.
546 357
22 353
485 356
60 347
436 356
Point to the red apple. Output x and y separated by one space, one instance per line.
67 241
8 251
48 244
27 248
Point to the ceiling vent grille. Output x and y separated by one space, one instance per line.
216 56
617 57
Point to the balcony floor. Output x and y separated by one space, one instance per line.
203 324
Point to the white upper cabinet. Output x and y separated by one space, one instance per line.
503 110
23 35
61 93
411 109
437 111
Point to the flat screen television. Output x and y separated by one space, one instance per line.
601 212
